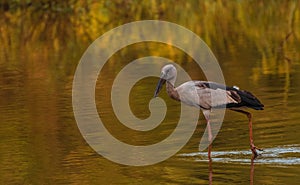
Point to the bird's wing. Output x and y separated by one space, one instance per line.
207 95
213 95
234 96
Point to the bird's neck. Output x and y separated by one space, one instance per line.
172 91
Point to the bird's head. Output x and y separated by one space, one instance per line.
168 73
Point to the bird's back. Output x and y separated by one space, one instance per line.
200 94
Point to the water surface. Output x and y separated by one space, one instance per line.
39 139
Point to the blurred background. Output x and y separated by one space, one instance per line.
256 42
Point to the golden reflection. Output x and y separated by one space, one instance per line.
272 28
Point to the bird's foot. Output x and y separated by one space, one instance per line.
254 150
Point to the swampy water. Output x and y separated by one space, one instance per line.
256 44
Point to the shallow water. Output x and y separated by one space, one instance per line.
285 155
40 142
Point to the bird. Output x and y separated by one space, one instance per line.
235 100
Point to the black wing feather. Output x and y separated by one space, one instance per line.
248 100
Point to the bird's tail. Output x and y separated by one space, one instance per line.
249 100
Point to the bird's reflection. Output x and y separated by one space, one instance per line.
210 168
252 170
210 173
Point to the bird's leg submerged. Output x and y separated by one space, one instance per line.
253 147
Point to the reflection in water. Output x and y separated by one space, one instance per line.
210 170
252 171
277 156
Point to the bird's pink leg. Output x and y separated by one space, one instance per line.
253 147
209 139
206 114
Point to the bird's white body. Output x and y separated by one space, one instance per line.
195 93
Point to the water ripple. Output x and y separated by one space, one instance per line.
281 155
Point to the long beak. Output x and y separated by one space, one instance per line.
160 83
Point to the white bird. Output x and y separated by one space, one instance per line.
199 93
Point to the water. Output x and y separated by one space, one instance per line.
284 155
40 142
